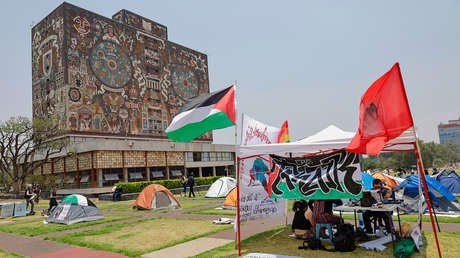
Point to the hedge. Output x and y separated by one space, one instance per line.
136 187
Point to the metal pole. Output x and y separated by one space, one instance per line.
237 162
427 196
421 173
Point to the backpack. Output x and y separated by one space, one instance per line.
343 240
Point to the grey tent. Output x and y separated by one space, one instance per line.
68 213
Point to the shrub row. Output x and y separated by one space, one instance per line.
136 187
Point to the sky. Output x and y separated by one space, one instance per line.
308 62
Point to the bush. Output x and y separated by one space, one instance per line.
136 187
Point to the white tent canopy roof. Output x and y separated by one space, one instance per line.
330 138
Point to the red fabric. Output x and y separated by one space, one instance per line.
227 104
384 114
271 178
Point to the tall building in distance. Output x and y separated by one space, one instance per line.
450 131
115 85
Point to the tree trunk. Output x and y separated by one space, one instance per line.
17 185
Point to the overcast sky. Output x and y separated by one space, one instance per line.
307 62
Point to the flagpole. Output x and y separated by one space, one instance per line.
237 163
420 166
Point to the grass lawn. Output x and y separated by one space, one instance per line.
105 205
140 237
449 242
4 254
276 241
411 218
36 227
199 195
213 211
184 205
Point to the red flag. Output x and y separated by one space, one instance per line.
384 114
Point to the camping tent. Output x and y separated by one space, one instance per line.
74 208
221 187
156 197
367 180
387 181
230 200
450 180
442 199
330 138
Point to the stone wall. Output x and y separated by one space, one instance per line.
176 158
134 159
156 159
108 159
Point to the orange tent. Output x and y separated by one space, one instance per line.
388 182
156 197
230 200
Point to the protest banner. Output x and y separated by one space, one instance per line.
254 200
335 175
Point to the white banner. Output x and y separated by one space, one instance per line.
253 174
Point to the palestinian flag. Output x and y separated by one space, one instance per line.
203 114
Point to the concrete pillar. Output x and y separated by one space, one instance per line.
99 177
148 173
125 174
213 171
200 171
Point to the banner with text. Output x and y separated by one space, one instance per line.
336 175
255 202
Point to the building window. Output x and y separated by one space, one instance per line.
189 156
212 156
111 176
85 179
205 156
136 174
197 156
157 173
176 172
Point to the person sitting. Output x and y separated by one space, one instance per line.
301 226
322 212
118 191
385 193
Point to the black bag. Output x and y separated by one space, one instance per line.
343 240
313 244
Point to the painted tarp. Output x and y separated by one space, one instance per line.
335 175
255 202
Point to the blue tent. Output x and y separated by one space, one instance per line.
367 180
441 197
450 180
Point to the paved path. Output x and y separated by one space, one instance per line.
30 247
189 248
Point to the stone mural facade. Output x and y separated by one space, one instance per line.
119 76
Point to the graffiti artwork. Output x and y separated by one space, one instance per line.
335 175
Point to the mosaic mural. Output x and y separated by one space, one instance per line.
115 77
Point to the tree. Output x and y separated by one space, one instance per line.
25 145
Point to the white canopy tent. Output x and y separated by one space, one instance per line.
330 138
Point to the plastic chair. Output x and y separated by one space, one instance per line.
329 228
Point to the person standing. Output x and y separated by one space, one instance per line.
183 181
191 183
53 202
29 196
